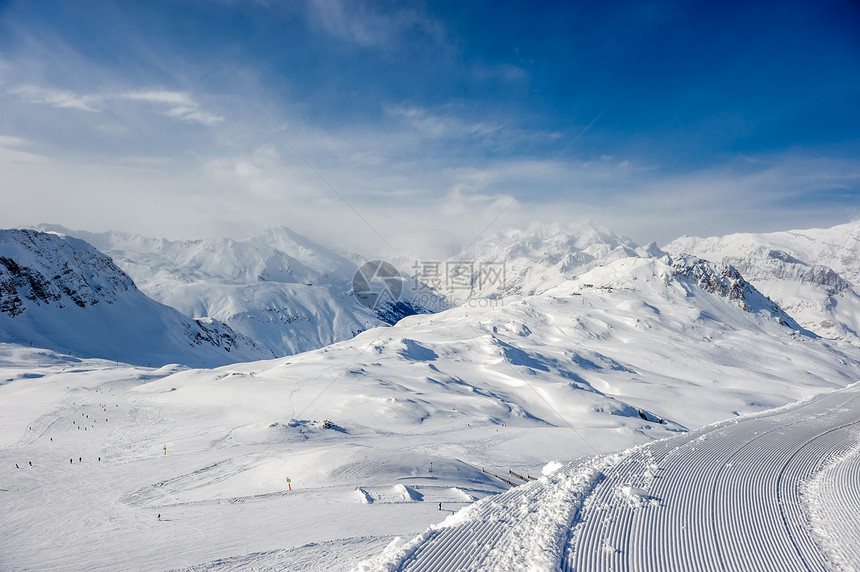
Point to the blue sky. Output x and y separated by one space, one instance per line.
430 119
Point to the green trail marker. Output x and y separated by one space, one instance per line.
288 483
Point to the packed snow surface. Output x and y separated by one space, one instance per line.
725 497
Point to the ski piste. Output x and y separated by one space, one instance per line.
736 495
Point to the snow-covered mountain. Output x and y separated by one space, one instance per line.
280 289
356 442
814 275
61 293
533 261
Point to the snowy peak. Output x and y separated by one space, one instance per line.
781 265
550 245
724 280
60 293
278 255
43 269
538 260
279 288
835 247
319 259
812 274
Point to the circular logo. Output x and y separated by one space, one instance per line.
376 284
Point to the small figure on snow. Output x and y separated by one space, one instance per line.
31 463
159 516
440 506
80 459
16 466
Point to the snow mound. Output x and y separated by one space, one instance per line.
363 496
408 493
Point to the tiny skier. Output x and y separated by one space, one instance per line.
16 466
159 516
440 506
31 463
80 459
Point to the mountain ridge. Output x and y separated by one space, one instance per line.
61 293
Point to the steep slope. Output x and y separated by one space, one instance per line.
814 275
61 293
279 288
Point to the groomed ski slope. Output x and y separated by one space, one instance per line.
774 491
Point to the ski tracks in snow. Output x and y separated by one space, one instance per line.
831 499
737 495
526 524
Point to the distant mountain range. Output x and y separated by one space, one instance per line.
280 289
279 293
814 275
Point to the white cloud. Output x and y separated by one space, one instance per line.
418 178
10 151
178 104
10 141
178 99
361 24
57 98
440 124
